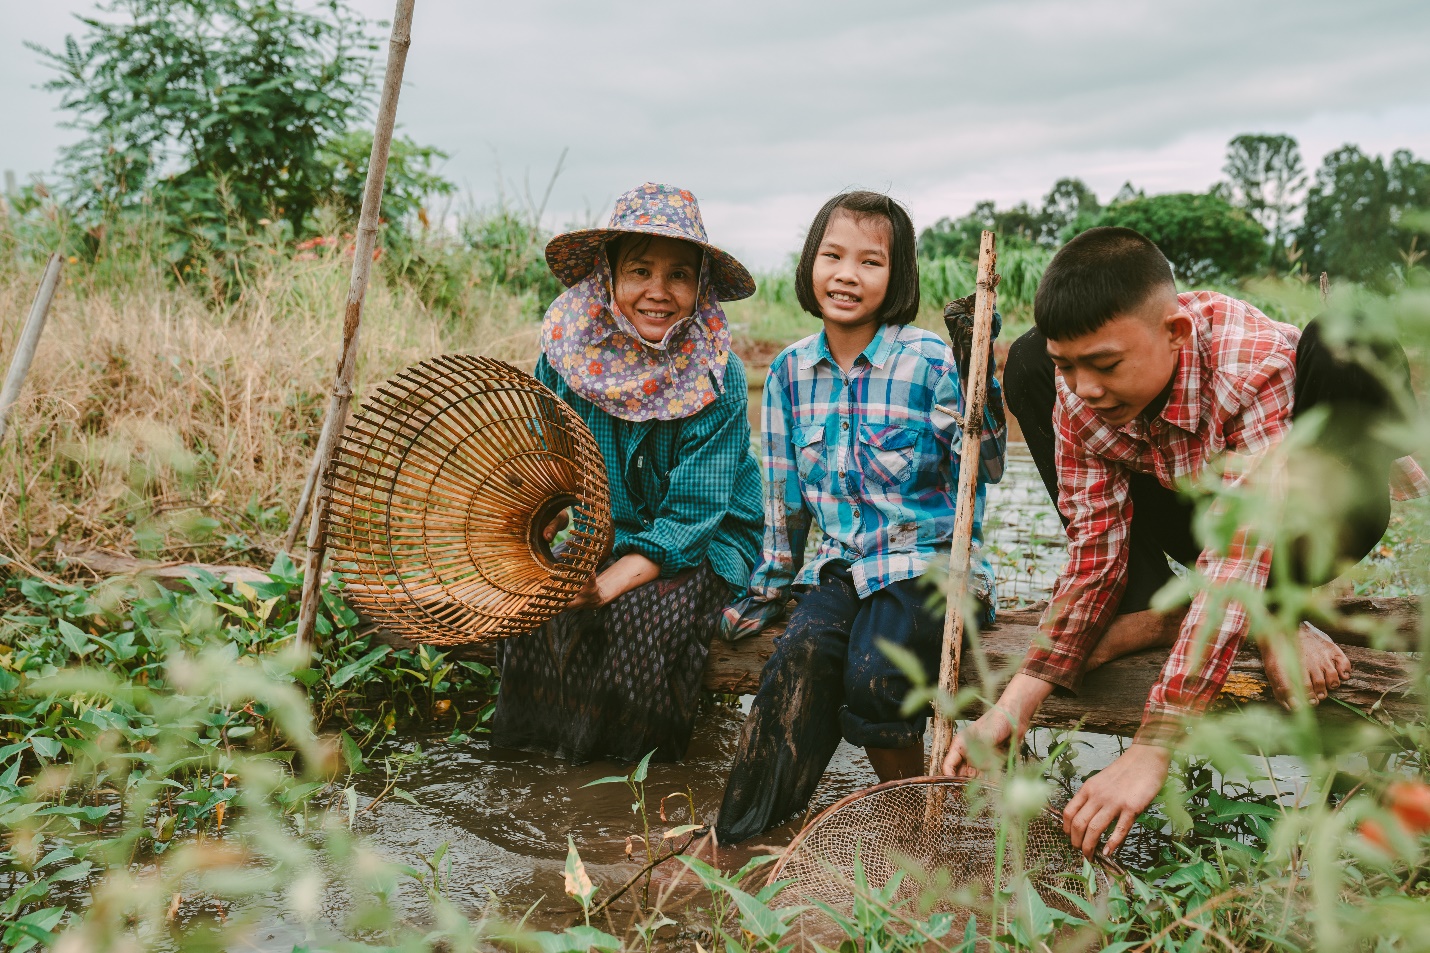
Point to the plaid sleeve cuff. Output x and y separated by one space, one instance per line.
1040 666
1161 727
1408 480
749 616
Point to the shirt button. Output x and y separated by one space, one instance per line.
844 426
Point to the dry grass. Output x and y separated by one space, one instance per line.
156 419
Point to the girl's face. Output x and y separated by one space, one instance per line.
656 284
850 275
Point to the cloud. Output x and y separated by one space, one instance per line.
763 109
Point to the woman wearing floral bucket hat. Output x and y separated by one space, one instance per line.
639 347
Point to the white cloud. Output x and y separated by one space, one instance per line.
763 109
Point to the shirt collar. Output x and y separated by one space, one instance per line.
876 352
1184 405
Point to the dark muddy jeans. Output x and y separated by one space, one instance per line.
827 679
1162 518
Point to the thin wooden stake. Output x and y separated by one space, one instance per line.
1325 289
29 339
290 538
366 241
975 397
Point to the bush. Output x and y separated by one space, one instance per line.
1203 236
210 109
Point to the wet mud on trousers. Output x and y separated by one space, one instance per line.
615 682
1163 520
827 679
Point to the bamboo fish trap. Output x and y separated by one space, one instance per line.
442 487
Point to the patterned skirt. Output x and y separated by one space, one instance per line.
615 682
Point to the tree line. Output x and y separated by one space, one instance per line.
1360 217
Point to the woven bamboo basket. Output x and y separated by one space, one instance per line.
946 844
441 488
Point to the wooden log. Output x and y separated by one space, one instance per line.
1112 697
170 575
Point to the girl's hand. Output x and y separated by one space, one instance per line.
1001 725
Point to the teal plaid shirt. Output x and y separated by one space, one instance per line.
682 491
873 456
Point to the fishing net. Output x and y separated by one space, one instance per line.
949 844
441 489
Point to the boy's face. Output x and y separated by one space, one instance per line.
850 275
1126 364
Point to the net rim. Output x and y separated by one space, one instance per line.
1111 867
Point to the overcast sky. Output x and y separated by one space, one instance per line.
764 109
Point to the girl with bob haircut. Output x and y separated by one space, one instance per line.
860 435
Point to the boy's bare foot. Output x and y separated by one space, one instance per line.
1323 667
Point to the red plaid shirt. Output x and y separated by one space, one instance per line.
1233 391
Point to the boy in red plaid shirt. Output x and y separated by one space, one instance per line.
1123 389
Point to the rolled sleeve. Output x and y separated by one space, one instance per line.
710 449
1094 497
787 520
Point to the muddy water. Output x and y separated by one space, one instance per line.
506 815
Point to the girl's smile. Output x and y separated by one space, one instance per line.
851 271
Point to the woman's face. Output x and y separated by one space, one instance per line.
656 283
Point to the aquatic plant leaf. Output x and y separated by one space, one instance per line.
578 882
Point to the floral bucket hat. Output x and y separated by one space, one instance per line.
650 209
596 349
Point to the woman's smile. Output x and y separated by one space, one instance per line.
656 280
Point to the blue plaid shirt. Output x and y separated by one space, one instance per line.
872 455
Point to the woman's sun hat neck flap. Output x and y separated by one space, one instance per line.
650 209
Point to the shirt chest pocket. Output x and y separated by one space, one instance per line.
809 450
887 453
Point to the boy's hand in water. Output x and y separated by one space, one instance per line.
1114 797
999 725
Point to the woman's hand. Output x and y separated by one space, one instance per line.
562 520
620 577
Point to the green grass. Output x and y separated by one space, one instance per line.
156 744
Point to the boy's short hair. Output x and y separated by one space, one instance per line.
901 301
1101 273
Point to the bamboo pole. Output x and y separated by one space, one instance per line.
364 244
975 397
29 339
